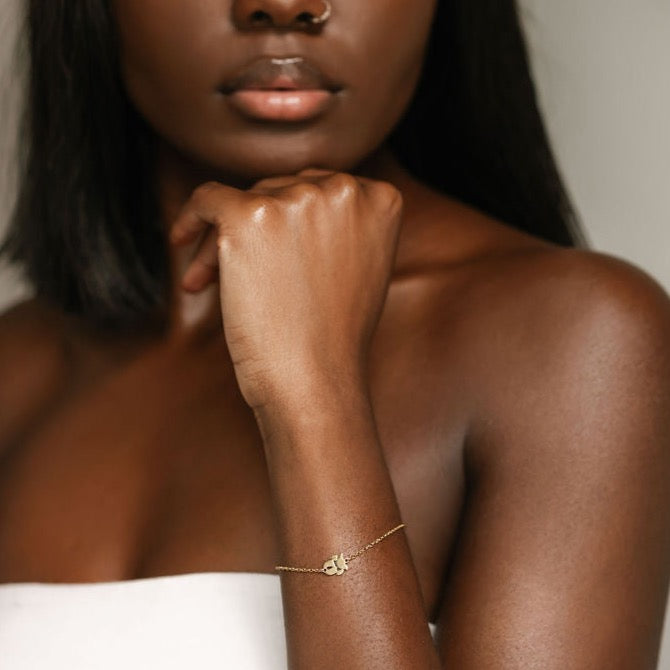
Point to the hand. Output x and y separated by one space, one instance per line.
304 264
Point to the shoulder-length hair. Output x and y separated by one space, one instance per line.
86 226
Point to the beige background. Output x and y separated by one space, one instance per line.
601 66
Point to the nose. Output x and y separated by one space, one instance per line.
305 15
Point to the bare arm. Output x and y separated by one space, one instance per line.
564 554
333 493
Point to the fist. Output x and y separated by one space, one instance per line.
303 264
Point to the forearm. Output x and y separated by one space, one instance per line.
333 493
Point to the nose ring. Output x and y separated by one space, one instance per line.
328 10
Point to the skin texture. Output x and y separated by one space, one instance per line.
506 399
174 86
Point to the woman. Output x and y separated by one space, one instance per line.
305 273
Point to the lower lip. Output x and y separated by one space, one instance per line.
299 105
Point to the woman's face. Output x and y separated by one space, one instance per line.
249 89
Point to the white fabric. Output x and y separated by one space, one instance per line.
199 621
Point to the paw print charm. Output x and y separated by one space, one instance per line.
335 565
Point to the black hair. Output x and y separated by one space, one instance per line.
86 225
474 129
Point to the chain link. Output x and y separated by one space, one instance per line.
337 565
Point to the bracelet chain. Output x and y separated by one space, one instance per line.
338 564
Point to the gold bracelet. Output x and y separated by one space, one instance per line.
338 564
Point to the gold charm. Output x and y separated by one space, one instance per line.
335 565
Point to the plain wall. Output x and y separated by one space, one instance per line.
10 94
602 71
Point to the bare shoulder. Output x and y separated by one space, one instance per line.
566 294
569 336
543 296
581 285
34 361
506 310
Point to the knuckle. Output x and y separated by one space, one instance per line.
385 190
258 212
201 198
205 190
388 195
304 191
344 180
260 207
343 184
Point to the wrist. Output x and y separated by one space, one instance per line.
312 402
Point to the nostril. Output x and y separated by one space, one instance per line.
269 15
305 17
260 18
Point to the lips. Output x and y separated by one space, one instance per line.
286 89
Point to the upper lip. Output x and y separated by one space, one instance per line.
279 73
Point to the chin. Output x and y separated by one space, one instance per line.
250 161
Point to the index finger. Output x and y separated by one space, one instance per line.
205 207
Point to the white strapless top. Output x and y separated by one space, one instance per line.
204 621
